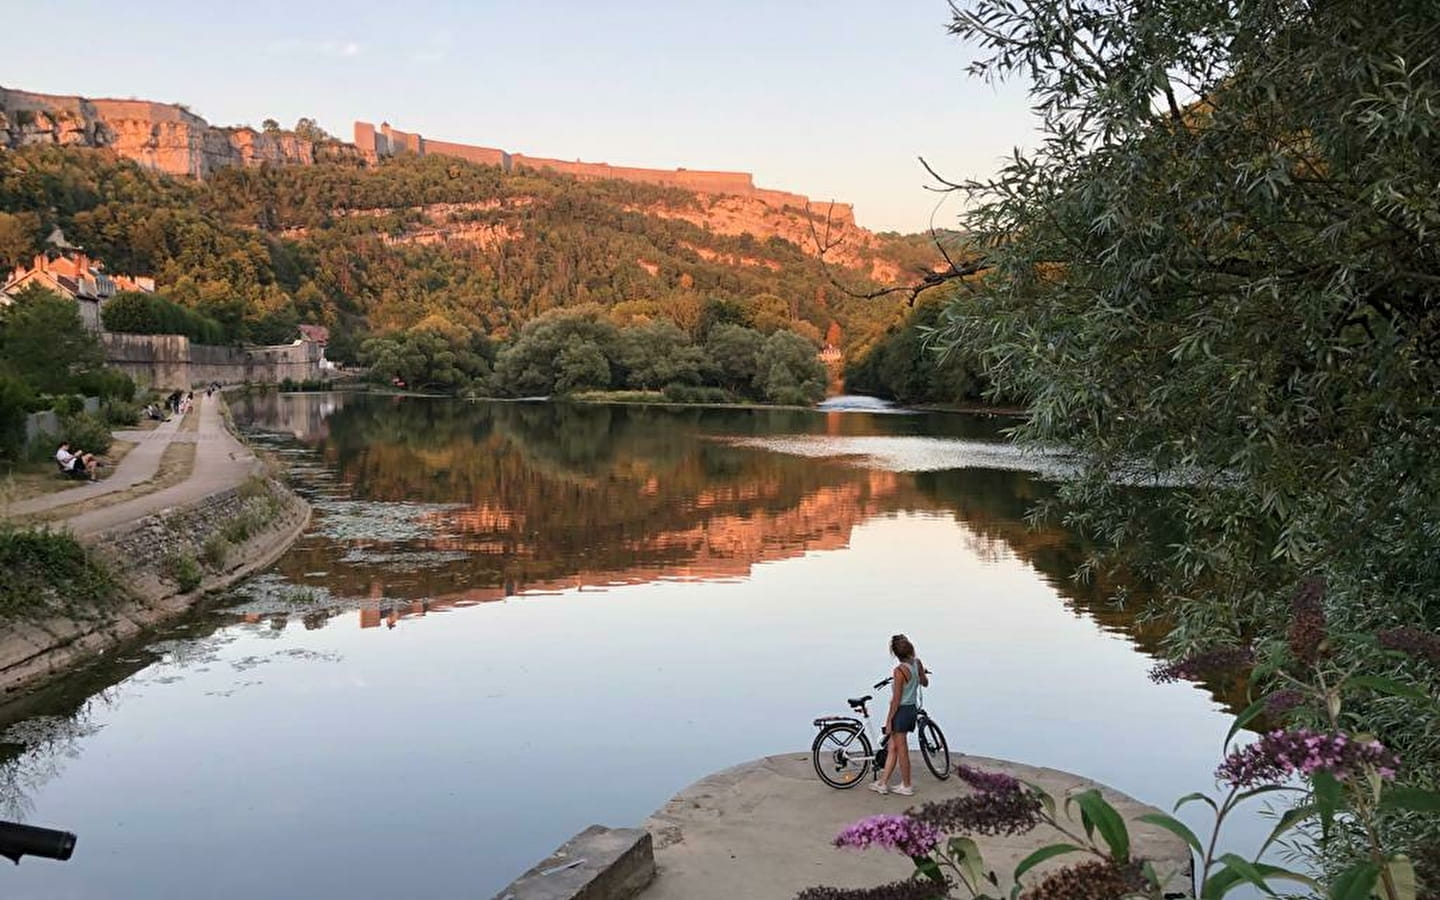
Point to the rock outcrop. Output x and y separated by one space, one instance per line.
163 136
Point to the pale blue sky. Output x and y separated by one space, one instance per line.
832 100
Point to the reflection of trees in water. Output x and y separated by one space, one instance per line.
33 751
556 490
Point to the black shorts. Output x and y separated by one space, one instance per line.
904 721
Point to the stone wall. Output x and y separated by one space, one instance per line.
171 362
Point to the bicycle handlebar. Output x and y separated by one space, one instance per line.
879 684
18 840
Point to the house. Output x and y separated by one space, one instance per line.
67 271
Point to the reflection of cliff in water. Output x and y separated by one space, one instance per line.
545 497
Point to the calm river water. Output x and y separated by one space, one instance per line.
510 621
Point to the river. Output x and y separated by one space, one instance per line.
509 621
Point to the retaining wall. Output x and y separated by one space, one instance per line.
172 362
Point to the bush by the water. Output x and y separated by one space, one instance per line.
119 412
182 569
50 572
691 393
290 385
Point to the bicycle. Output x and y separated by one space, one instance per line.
835 755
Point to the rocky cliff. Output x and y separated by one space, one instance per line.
162 136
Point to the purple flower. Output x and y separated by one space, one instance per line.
913 889
1417 642
899 833
1307 622
1282 702
1217 660
988 782
987 813
1283 753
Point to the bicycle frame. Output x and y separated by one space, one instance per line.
879 741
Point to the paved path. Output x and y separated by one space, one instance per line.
221 462
762 830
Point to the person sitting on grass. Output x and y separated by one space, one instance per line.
77 462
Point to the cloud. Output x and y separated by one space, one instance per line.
304 47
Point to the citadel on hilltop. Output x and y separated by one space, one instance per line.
375 143
170 138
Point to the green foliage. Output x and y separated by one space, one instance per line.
118 412
43 342
689 393
734 352
18 234
258 510
906 366
658 353
290 385
435 355
215 551
563 350
184 571
49 572
139 313
259 249
68 405
85 432
789 372
1218 269
15 401
106 383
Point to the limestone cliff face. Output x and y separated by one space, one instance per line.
161 136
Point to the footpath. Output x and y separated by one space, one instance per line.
221 462
159 540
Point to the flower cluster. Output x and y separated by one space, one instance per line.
913 889
1214 661
1307 622
989 812
1417 642
1093 880
1283 753
988 782
899 833
1282 702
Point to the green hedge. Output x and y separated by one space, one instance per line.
136 313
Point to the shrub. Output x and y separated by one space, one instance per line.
119 412
106 383
689 393
15 400
215 551
86 432
182 569
49 572
69 405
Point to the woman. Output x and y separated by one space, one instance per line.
907 678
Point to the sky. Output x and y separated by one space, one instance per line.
832 100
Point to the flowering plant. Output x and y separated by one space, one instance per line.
1339 776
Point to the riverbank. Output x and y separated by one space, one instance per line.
167 547
764 830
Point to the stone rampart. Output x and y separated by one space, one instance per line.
171 362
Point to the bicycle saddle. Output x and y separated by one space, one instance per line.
861 701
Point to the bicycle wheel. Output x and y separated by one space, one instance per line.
934 749
841 754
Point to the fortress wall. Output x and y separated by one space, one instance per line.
365 141
171 362
144 109
485 156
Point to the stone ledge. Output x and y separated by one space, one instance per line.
599 863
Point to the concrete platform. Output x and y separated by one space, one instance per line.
762 830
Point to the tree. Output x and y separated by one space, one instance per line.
581 366
43 342
789 370
658 353
270 126
767 313
307 129
734 352
17 240
1218 269
530 366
